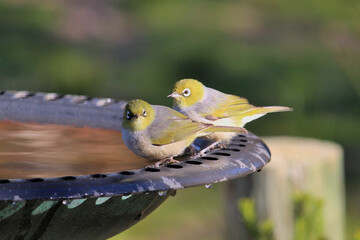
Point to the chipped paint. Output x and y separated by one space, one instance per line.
252 167
97 194
261 149
17 198
223 179
140 188
241 164
171 182
258 156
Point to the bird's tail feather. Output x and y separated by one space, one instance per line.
256 112
264 110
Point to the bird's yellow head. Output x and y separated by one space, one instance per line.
187 92
138 115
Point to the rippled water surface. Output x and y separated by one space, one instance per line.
32 150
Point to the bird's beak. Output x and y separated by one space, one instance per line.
174 95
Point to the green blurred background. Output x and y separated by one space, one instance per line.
303 54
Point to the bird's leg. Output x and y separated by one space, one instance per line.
221 145
172 160
164 161
194 149
208 148
191 150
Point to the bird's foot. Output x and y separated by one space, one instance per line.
165 161
172 161
221 145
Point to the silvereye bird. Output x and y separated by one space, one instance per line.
208 105
160 133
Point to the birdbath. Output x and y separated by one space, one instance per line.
93 202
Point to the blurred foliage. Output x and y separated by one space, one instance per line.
258 230
308 219
357 234
309 222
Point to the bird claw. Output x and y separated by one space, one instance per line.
164 161
173 161
199 154
222 146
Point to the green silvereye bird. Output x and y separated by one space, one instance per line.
160 133
208 105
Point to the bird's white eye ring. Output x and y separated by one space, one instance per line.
128 115
186 92
144 113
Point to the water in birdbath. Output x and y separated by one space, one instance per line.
40 151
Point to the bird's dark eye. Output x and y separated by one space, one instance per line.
144 113
128 115
186 92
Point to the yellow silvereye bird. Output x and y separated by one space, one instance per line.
160 133
208 105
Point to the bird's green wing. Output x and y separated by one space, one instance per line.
171 126
234 106
228 106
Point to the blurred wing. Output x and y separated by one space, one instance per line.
171 126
